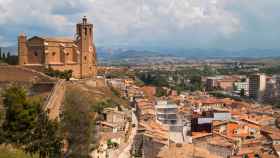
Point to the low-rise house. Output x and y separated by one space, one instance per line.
204 121
274 138
184 151
108 142
242 130
207 104
221 82
261 120
149 91
276 149
145 109
115 120
221 146
114 115
108 127
201 139
128 82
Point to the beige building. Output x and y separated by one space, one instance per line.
257 85
78 55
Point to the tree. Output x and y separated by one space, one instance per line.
46 138
66 74
27 127
20 116
4 56
195 83
0 53
100 106
8 55
245 156
77 123
153 78
160 92
242 92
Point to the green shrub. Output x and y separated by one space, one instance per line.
66 74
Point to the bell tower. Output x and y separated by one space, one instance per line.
22 50
84 39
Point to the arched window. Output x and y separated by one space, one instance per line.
35 53
53 53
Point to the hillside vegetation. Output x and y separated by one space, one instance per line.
84 103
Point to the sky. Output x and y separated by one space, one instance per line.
182 24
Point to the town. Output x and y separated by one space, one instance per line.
167 110
228 117
139 79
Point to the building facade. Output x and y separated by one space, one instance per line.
242 85
166 113
78 55
257 86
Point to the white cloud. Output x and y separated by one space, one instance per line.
199 23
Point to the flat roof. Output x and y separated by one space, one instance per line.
166 106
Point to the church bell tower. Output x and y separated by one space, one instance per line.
22 49
84 41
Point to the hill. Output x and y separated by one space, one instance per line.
113 54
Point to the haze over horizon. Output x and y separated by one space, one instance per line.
149 24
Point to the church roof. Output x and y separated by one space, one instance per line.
55 39
58 39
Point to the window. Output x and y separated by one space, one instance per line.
53 53
85 57
35 53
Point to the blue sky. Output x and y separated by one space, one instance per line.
183 24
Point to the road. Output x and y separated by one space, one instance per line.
125 153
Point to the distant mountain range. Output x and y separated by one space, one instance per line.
104 53
116 54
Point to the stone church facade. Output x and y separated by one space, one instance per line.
78 55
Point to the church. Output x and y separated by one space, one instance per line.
78 54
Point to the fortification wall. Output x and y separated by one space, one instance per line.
53 103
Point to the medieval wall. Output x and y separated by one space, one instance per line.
74 67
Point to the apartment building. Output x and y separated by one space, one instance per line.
257 85
166 112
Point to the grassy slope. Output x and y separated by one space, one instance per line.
99 93
7 152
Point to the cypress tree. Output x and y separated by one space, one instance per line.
8 58
8 55
0 53
3 56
